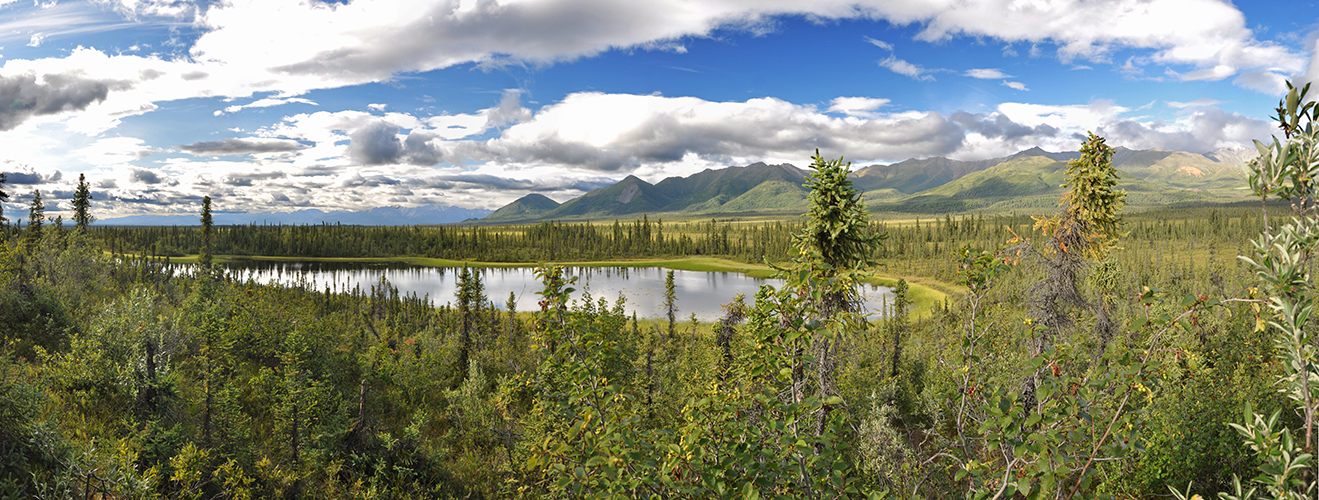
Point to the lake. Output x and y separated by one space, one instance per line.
698 292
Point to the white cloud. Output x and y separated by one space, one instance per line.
372 39
1203 129
354 159
115 151
1015 85
879 43
159 8
377 107
1265 82
292 46
901 67
1311 74
622 132
266 103
1213 74
856 106
987 74
285 48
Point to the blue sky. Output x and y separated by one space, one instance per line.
280 105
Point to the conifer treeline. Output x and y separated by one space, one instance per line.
910 244
554 241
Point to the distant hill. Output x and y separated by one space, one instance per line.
1222 171
380 216
1030 179
531 205
755 187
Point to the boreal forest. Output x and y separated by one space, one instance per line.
1090 352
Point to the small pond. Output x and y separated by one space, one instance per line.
699 292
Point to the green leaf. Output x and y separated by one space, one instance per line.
749 492
1189 300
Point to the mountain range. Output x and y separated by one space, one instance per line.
380 216
1030 179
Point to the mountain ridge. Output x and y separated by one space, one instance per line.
1030 178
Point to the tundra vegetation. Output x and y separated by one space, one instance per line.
1086 353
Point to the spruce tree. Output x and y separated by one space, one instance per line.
36 215
671 303
1082 232
836 245
3 197
837 240
82 203
471 295
207 228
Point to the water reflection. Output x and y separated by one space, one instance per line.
699 292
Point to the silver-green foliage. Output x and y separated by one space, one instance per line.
1282 260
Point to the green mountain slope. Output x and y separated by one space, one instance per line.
712 190
529 206
630 196
913 176
1035 181
1030 179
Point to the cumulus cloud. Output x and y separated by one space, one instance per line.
233 146
21 96
374 39
291 47
510 110
27 177
856 106
1213 74
116 150
1000 126
612 132
144 176
1204 130
376 144
356 160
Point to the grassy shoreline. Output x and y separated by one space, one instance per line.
925 293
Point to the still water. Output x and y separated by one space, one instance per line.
699 292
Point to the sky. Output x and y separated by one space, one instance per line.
282 105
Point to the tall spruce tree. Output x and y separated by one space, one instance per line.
36 215
834 248
471 296
82 203
671 304
1082 232
207 229
837 240
3 197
